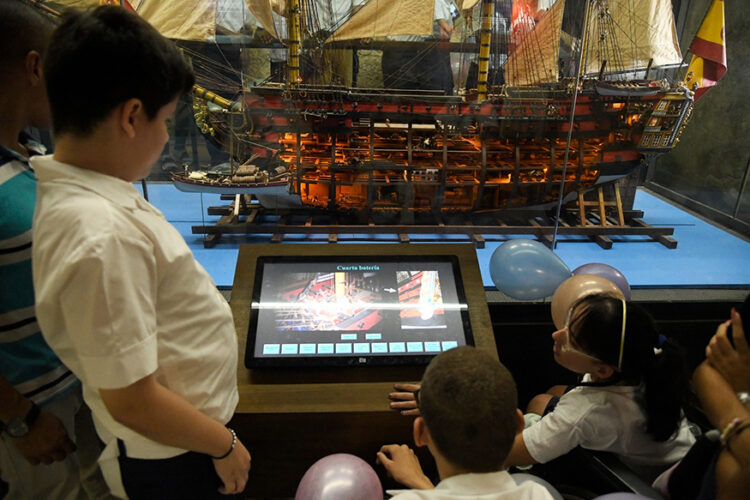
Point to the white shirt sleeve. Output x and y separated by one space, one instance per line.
443 11
108 305
559 431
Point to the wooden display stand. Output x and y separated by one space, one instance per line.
246 216
602 205
617 220
289 418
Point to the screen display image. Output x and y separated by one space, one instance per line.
322 311
421 299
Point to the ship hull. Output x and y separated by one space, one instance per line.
390 151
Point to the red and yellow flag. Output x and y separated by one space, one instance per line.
709 62
123 3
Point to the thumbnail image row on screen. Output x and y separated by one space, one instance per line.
359 348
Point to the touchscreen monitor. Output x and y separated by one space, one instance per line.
325 310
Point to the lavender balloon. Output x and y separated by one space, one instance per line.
621 496
607 272
340 476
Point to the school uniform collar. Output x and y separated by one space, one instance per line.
473 484
114 189
625 389
478 484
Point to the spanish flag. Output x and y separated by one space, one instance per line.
123 3
709 62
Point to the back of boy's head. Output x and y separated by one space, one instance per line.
100 59
468 401
22 29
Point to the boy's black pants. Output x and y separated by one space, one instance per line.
186 476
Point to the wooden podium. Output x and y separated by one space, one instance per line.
289 418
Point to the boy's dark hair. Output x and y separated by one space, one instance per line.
468 401
97 60
22 29
596 326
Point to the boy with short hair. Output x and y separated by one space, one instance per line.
120 297
468 420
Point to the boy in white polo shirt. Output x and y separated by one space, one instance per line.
468 420
120 297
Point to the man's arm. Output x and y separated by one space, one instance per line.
722 407
733 363
47 440
717 398
445 29
732 478
151 409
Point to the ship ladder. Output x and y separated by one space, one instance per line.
600 219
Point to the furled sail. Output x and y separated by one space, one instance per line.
176 19
629 33
180 19
263 12
395 17
535 59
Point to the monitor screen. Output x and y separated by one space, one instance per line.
329 310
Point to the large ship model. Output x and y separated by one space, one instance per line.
577 107
540 137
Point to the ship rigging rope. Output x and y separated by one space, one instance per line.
571 121
212 74
320 61
605 45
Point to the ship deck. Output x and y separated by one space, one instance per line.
706 256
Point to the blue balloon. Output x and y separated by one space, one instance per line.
526 269
607 272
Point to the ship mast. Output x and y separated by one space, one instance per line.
295 38
488 8
584 44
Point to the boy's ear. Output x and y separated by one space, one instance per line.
520 423
33 68
421 432
129 113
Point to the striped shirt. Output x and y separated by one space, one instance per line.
26 361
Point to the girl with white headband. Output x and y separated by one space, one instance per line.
629 399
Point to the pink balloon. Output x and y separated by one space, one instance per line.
340 476
575 288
